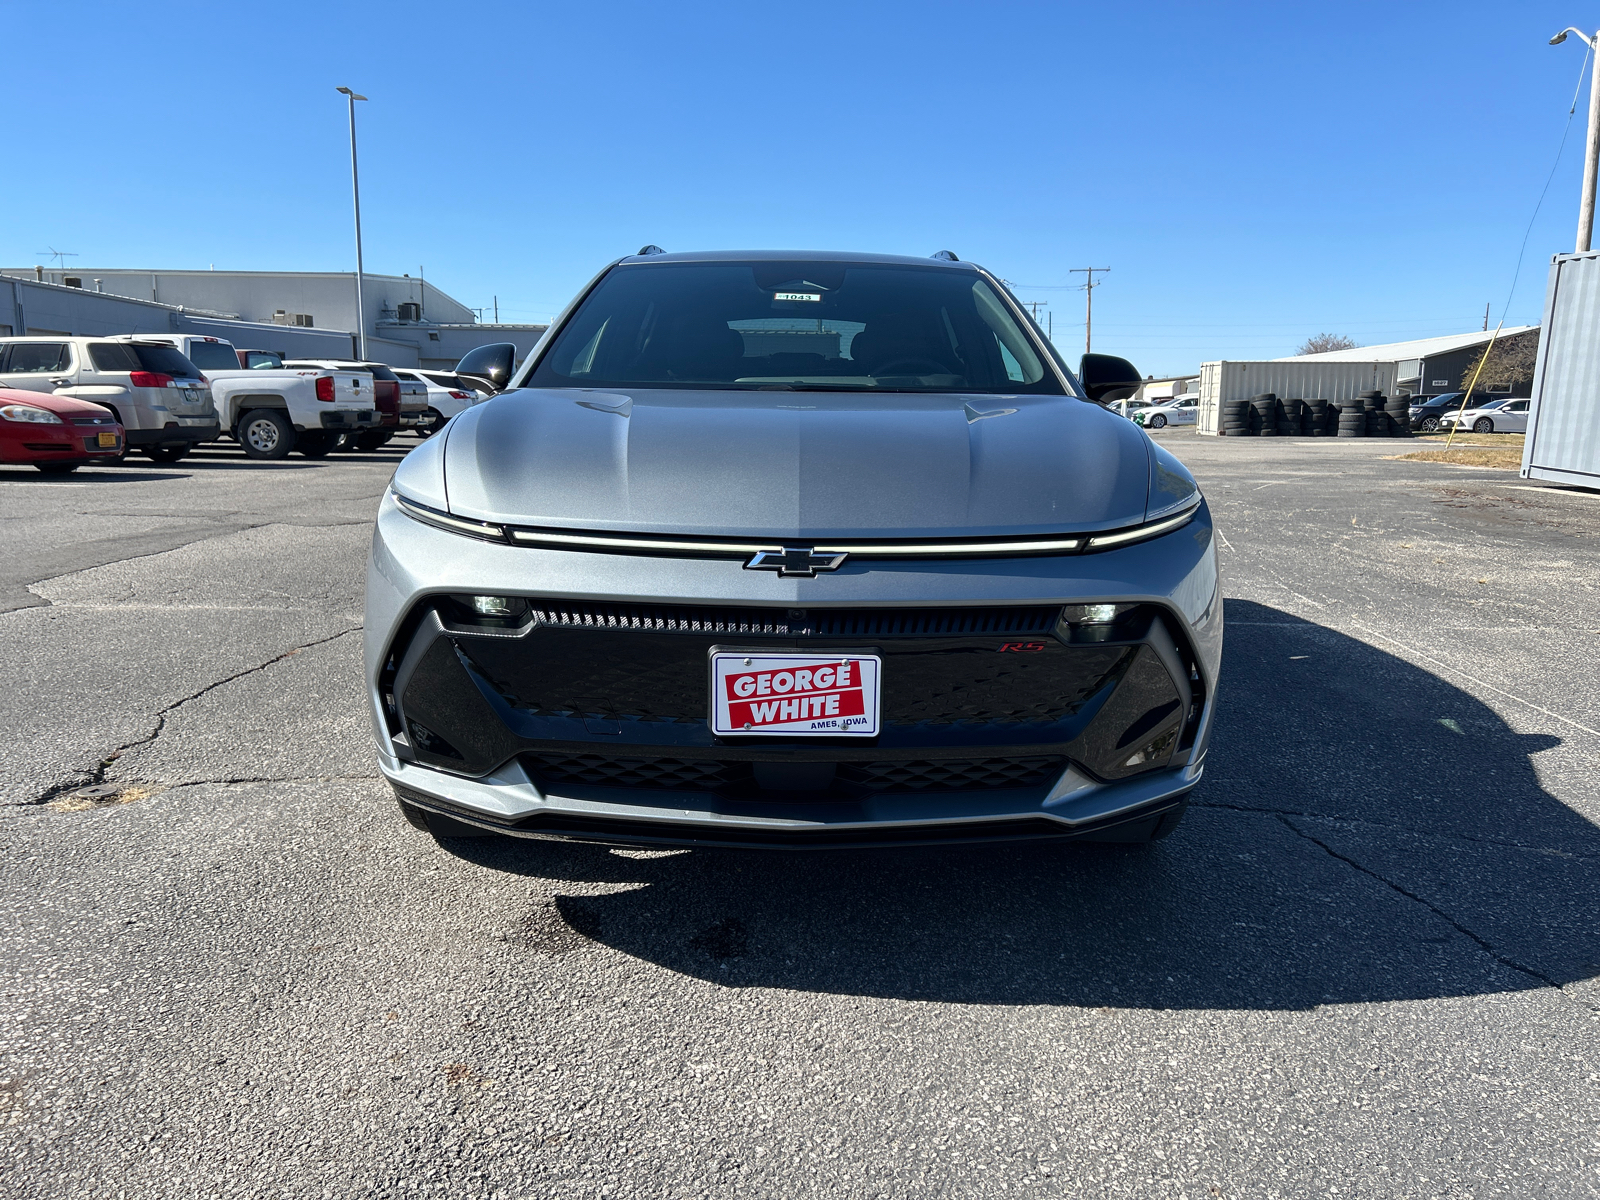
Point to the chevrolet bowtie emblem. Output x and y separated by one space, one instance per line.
795 560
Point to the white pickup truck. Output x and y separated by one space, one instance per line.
271 412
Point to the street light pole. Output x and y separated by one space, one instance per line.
1591 157
355 190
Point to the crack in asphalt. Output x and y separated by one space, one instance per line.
98 775
1435 833
236 780
11 593
1483 943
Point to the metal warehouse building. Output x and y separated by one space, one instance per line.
407 322
1428 366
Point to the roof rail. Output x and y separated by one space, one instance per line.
945 256
649 250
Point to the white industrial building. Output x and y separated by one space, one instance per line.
1425 366
407 321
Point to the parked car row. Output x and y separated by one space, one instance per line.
1441 414
69 400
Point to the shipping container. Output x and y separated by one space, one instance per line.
1563 442
1239 380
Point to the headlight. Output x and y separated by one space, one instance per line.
29 414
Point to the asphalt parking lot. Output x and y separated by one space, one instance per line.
1364 966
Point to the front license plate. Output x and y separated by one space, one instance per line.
108 440
796 695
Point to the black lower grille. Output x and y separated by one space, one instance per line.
953 775
669 774
737 776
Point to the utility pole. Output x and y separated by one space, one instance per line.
355 191
1486 318
497 310
1591 156
1088 302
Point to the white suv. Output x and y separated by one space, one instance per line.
447 395
159 396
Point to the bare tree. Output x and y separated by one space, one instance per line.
1324 342
1510 364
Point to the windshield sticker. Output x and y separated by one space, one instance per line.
795 296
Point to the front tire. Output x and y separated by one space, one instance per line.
57 468
1430 424
1483 425
265 433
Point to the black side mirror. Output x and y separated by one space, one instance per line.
1106 377
490 365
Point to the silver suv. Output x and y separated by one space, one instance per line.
161 398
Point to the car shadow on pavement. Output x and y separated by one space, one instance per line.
91 475
1366 831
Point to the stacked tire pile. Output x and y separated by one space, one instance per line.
1236 416
1370 414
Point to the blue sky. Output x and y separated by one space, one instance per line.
1252 173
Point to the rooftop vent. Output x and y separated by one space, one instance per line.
303 320
72 281
410 310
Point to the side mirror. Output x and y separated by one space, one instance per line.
1106 377
490 365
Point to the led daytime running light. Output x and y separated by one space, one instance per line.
432 516
1105 541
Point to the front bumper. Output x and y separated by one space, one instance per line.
512 739
511 803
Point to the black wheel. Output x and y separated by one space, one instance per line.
435 423
1483 425
370 441
316 444
166 454
1157 422
438 826
265 433
57 468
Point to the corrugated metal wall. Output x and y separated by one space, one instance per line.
1238 380
1563 443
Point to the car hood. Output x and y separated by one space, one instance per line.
62 406
791 464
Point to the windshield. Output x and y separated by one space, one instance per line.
818 325
213 356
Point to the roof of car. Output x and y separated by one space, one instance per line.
898 260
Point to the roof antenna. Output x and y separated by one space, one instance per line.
650 250
945 256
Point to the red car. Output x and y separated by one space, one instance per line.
57 434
